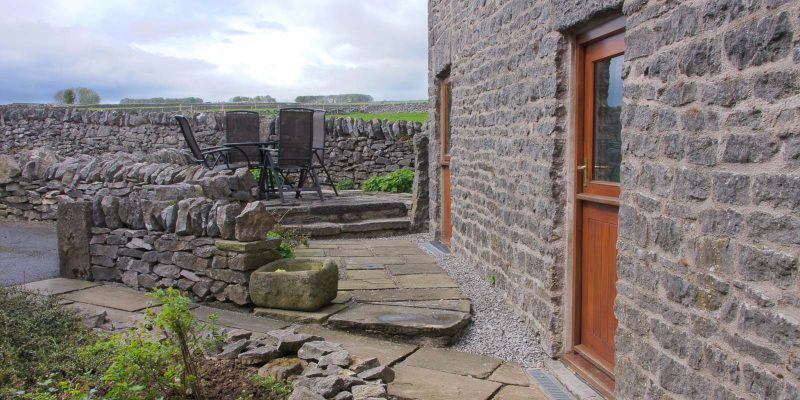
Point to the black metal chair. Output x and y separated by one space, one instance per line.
215 157
319 149
242 127
295 150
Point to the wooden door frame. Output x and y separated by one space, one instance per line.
445 189
601 381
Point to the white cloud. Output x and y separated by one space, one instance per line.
214 50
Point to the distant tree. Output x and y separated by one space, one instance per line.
69 96
88 96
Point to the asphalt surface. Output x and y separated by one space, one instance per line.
28 252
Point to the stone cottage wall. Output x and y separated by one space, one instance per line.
356 149
708 232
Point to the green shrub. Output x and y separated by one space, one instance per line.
345 184
38 342
400 181
146 365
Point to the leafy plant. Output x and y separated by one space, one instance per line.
291 238
399 181
491 279
144 365
345 184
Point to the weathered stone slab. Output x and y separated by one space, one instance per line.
74 230
58 286
239 320
421 383
453 362
419 281
512 374
410 269
408 294
366 274
119 319
396 251
301 252
419 259
362 252
350 260
360 346
520 393
406 321
247 247
112 297
366 284
305 317
342 297
464 306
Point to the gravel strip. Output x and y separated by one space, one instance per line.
495 330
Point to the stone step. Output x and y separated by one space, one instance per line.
336 211
364 228
419 325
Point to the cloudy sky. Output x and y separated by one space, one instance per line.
213 49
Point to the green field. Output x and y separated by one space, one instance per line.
391 116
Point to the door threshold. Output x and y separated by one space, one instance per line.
437 247
594 376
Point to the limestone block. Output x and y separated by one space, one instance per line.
226 220
74 233
253 222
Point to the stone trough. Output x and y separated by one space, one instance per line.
295 284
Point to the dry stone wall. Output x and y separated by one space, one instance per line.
356 149
708 228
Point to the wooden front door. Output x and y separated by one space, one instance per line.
597 197
444 159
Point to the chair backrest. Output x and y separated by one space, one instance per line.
240 127
188 137
295 136
318 141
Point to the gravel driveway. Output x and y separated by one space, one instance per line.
28 252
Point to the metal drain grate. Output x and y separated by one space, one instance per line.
436 247
549 385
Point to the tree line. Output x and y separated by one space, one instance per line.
335 98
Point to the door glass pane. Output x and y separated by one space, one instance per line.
607 125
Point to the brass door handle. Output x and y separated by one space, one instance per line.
585 173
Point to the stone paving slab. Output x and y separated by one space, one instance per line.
233 319
455 305
388 353
395 251
468 364
422 383
420 258
304 317
301 252
340 252
512 374
58 286
415 323
367 274
367 284
520 393
121 319
112 297
420 281
408 294
356 261
410 269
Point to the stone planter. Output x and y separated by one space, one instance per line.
305 284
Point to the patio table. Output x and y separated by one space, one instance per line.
266 184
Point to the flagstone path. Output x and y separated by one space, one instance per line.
422 372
